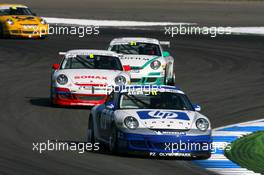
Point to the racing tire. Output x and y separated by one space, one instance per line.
166 80
113 141
172 80
1 32
203 156
90 131
51 97
169 80
43 37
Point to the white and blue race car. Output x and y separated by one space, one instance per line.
159 120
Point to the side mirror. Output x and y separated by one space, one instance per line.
197 107
56 66
110 105
126 68
165 54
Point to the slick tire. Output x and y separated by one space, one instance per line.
1 31
90 131
203 156
169 80
113 141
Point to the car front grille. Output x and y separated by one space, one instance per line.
135 80
151 80
90 98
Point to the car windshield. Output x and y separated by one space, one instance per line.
137 49
92 62
159 100
16 11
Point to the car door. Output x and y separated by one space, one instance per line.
106 118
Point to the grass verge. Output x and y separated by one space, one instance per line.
248 152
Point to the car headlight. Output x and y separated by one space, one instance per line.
62 79
155 64
43 21
10 21
131 122
120 80
202 124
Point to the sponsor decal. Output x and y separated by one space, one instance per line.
134 58
163 115
90 77
133 43
170 133
91 55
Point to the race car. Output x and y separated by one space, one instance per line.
159 120
84 77
18 21
149 63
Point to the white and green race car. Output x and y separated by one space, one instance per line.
149 63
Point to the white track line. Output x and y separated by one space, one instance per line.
248 30
233 171
109 23
117 23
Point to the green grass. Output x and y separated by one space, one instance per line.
248 152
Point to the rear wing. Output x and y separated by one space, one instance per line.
62 53
165 43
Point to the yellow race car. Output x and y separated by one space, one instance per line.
18 21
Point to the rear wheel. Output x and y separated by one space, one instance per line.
173 79
170 77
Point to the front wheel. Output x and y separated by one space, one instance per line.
203 156
1 31
113 141
90 131
51 97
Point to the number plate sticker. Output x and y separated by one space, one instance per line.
135 71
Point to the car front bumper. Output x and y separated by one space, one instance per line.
64 98
182 145
141 78
15 31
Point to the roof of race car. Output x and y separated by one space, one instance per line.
88 52
7 6
126 40
147 87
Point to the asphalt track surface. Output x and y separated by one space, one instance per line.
223 74
204 12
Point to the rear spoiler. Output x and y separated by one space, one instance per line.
62 53
165 43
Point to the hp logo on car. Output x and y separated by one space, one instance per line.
163 114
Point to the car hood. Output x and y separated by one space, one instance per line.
92 76
137 60
25 19
161 119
